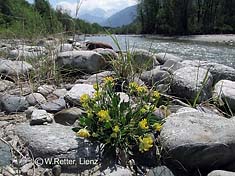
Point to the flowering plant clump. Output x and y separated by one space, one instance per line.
120 125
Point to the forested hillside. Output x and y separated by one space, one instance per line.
187 16
19 18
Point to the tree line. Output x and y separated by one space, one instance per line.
186 16
20 18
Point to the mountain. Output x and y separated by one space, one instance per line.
123 17
94 16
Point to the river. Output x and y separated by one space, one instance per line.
213 52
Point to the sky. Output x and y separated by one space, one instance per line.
110 6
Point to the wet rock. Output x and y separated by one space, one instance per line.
221 173
86 61
40 117
73 96
188 81
5 154
35 99
163 57
14 68
54 105
13 103
5 85
68 116
199 140
224 93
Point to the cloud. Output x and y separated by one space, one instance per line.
110 6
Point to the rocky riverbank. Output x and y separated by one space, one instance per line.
37 115
228 39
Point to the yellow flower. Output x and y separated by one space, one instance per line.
142 89
157 126
133 86
83 133
156 95
97 95
103 115
145 143
108 80
84 98
144 109
116 129
96 86
143 124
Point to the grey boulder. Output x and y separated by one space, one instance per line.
199 140
54 105
5 154
13 103
87 61
187 82
6 85
73 96
57 141
68 116
224 93
163 57
35 99
40 117
221 173
14 68
218 71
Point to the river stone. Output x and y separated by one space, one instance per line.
221 173
224 92
13 103
57 141
54 105
160 171
68 116
199 140
187 81
108 54
87 61
218 71
171 65
73 96
99 77
156 77
14 68
40 117
60 92
144 58
46 89
35 99
5 154
163 57
116 171
5 85
65 47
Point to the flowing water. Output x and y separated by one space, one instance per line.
213 52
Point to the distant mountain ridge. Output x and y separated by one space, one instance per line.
123 17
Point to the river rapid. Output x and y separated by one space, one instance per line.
192 50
